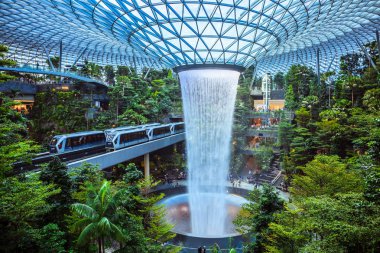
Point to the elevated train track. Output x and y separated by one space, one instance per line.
99 155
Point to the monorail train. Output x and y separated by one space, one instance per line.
178 127
127 138
111 132
76 141
122 128
132 137
114 138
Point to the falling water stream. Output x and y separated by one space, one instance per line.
208 100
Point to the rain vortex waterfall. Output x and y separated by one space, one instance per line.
208 100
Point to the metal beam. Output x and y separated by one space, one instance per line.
332 61
367 55
77 59
60 55
146 75
300 59
378 41
253 77
50 63
318 72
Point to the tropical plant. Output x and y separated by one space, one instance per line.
255 216
325 175
6 63
51 239
96 218
23 205
56 173
264 156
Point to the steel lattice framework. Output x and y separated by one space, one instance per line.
270 34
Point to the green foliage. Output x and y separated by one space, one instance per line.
157 228
140 217
264 156
134 100
14 142
56 112
23 203
372 185
96 220
241 123
54 60
255 216
290 99
131 177
285 135
325 175
303 117
302 80
345 223
86 173
51 239
371 100
110 74
56 173
5 63
279 80
302 147
91 69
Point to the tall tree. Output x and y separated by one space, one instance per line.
56 173
255 216
15 144
110 74
325 175
23 204
279 80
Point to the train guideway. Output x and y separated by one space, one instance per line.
110 159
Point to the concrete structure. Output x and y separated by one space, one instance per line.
110 159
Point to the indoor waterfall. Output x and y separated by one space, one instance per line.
208 100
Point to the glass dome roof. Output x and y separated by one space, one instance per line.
271 34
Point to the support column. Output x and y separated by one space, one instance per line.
367 55
146 166
378 40
318 72
47 55
60 56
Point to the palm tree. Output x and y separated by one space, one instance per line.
96 218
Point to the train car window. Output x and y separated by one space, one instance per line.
75 141
68 143
54 141
162 130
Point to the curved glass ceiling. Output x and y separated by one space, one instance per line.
271 34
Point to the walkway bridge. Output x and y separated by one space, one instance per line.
39 71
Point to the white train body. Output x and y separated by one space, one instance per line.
122 139
76 141
114 138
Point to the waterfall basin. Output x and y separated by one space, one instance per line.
179 214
